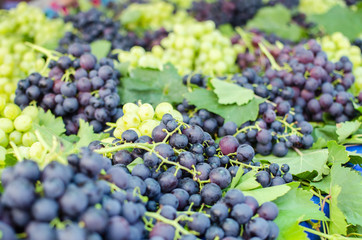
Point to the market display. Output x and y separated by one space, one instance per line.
181 120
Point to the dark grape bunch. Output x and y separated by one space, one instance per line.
82 88
274 175
94 25
71 202
234 12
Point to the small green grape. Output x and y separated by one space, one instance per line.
6 125
31 111
28 139
36 151
130 108
15 137
131 120
146 111
147 127
11 111
162 109
23 123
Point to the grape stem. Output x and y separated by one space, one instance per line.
178 227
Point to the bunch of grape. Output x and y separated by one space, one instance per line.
94 25
190 47
17 26
310 83
71 201
16 126
153 16
235 12
143 118
274 175
318 7
337 46
137 56
77 87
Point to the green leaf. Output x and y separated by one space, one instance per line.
349 199
237 178
295 206
268 194
208 100
337 153
327 133
229 93
101 48
308 161
276 20
355 158
153 86
346 129
49 121
10 160
86 134
340 19
324 185
291 231
338 224
130 16
134 163
248 181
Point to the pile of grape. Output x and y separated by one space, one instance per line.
190 47
337 46
17 27
78 87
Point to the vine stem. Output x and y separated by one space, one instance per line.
177 226
298 151
334 237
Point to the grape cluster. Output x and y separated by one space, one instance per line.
274 175
235 12
143 118
318 7
94 25
336 46
82 88
17 26
308 81
71 201
153 16
197 46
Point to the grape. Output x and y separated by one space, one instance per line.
41 231
187 160
268 211
200 223
167 181
19 193
210 193
220 176
45 210
277 181
219 212
228 144
257 227
263 178
242 213
163 230
168 212
118 228
214 232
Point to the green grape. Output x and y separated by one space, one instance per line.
130 108
11 111
23 123
117 133
15 137
28 139
24 151
131 120
146 112
31 111
2 153
147 127
4 140
2 101
318 7
6 125
36 151
162 109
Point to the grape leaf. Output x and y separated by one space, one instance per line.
276 20
355 158
49 121
86 134
308 161
229 93
134 163
208 100
338 223
237 178
324 185
295 206
349 199
324 134
337 153
100 48
153 86
248 181
292 232
340 19
268 194
346 129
